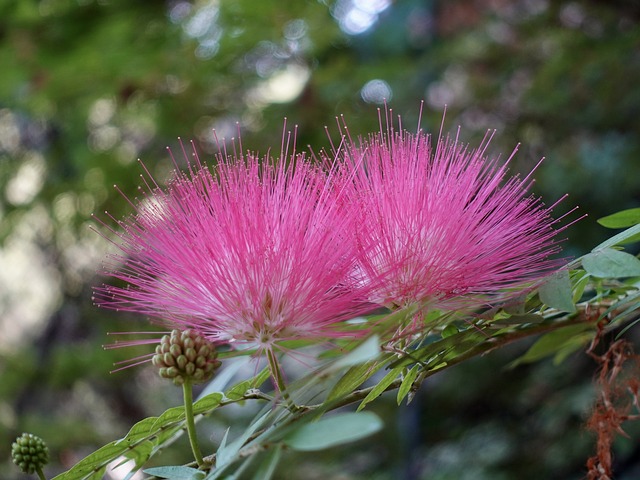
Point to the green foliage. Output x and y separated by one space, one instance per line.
610 263
557 293
623 219
333 430
446 341
558 342
88 87
176 473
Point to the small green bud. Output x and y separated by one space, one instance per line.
182 361
191 354
168 359
175 350
30 453
185 355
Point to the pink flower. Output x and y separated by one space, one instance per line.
252 252
441 224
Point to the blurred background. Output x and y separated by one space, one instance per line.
87 87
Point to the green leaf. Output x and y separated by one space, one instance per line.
557 293
444 350
268 467
519 319
449 330
226 453
93 463
407 383
334 430
381 387
578 342
237 391
366 351
623 219
170 416
622 237
352 379
581 280
609 263
551 343
139 431
140 454
176 473
207 404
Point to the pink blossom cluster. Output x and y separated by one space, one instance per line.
255 251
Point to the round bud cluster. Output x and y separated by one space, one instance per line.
30 453
185 355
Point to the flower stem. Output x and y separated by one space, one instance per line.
40 473
278 379
191 424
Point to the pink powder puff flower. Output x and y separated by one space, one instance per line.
442 225
252 252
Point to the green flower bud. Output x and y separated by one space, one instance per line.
30 453
185 355
191 354
175 350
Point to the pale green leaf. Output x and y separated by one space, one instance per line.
609 263
268 467
226 453
622 237
556 292
334 430
365 352
176 473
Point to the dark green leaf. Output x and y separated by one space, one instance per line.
609 263
407 383
551 343
334 430
353 378
519 319
556 292
381 387
444 350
